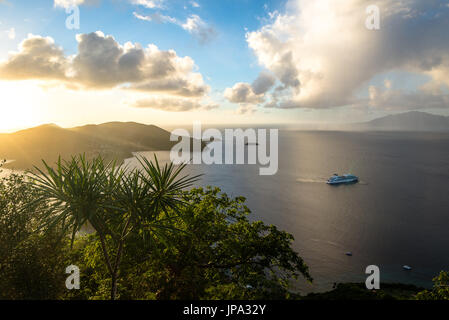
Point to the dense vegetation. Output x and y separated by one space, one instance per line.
358 291
387 291
135 234
138 234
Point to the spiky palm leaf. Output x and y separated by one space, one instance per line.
166 184
74 192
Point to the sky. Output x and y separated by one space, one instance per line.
170 62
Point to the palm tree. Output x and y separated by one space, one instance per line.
113 200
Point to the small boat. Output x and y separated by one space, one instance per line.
346 178
349 253
406 267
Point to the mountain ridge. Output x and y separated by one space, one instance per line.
112 140
407 121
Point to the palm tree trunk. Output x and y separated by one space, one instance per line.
114 275
112 271
105 254
118 259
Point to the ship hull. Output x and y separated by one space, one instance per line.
346 181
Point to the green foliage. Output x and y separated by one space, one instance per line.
31 263
210 251
358 291
440 289
112 200
76 192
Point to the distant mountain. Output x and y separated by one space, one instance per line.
409 121
113 140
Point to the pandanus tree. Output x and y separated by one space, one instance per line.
113 200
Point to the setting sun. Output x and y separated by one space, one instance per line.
21 105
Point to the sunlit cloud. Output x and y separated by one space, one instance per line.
101 63
242 93
249 95
38 58
321 53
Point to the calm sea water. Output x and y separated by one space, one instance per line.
398 214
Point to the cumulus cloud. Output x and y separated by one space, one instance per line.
263 82
37 58
242 92
322 53
102 63
248 95
176 86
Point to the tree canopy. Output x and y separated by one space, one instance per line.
137 234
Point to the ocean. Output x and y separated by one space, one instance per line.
398 214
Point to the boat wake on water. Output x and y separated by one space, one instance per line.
311 180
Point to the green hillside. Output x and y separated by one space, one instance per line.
113 140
